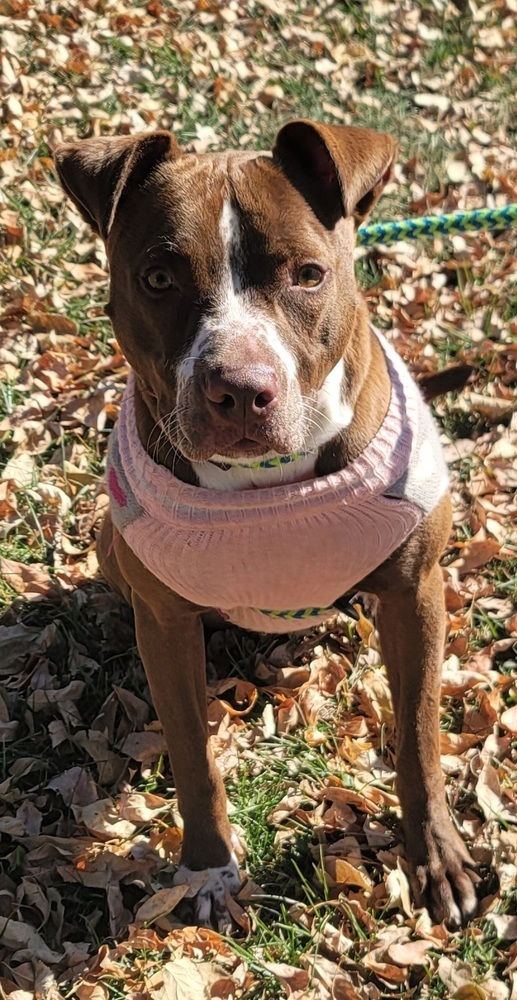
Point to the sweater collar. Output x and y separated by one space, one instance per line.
382 463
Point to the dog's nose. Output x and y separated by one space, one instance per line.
243 392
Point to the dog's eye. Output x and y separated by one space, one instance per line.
309 276
158 279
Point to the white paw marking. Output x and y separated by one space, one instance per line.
210 905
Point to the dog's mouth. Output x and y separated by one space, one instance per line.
246 447
222 448
244 450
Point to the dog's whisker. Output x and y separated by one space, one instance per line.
314 416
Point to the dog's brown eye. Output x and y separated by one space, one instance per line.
309 276
158 279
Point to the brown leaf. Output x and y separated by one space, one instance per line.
385 970
332 978
340 872
478 551
457 743
25 941
31 580
509 719
75 787
163 902
102 819
491 407
182 980
44 322
375 697
470 991
20 469
290 977
409 953
145 747
490 797
141 807
16 642
167 842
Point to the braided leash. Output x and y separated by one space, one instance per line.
432 225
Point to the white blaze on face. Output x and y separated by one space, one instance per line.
233 264
233 316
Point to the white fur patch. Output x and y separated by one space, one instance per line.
233 263
425 460
195 352
239 477
331 414
210 902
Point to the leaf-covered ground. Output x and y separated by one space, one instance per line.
89 830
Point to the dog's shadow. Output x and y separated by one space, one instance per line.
75 708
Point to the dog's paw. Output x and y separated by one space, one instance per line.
210 907
442 875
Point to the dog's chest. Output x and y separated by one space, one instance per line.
268 570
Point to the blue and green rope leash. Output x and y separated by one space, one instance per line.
433 225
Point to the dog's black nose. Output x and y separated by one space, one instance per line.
243 392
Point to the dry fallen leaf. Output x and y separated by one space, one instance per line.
289 976
490 796
23 939
409 953
28 580
478 551
163 902
102 819
471 991
141 807
340 872
182 980
509 719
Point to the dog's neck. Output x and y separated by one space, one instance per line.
217 474
354 398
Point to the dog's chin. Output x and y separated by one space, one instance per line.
245 448
241 450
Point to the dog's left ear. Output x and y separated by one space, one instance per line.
340 170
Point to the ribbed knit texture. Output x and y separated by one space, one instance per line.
285 548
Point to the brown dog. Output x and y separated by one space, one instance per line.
266 428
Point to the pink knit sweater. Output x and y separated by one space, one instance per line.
275 559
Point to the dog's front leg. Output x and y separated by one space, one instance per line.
171 643
411 626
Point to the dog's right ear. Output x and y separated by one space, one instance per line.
97 173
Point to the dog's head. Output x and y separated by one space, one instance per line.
232 289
